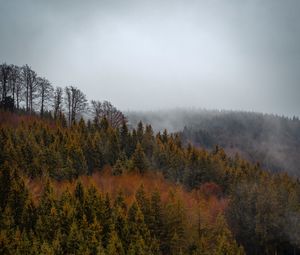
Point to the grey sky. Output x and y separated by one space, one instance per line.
225 54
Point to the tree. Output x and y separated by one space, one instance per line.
175 238
14 84
57 102
29 78
125 139
7 103
106 110
143 203
76 161
114 246
18 89
118 168
156 225
5 71
222 237
75 240
148 141
76 103
139 159
45 93
5 185
138 231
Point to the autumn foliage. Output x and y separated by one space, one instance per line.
89 188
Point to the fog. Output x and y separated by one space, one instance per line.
271 140
152 55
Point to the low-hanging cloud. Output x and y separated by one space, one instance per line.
231 54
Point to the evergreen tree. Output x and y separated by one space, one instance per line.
114 246
139 159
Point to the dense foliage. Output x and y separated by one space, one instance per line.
262 212
154 193
82 220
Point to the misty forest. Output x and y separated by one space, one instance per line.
149 127
80 177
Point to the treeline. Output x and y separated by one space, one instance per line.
263 210
22 90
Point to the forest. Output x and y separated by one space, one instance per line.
269 139
77 178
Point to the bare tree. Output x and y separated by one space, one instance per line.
18 90
5 71
106 110
57 102
15 83
76 103
29 79
45 90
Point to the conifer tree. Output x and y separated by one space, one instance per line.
75 240
118 168
106 220
114 246
144 204
156 224
139 159
125 140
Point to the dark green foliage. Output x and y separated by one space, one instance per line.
139 159
263 210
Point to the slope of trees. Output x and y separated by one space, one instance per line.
262 213
271 140
81 219
206 202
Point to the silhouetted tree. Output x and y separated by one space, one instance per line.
45 93
5 71
76 103
29 78
15 84
106 110
57 102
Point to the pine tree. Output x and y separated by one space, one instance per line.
46 249
80 193
5 185
120 220
125 140
143 203
156 224
224 242
75 158
175 224
139 159
140 132
118 168
114 246
106 220
75 239
138 247
138 229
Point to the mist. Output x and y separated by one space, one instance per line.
271 140
153 55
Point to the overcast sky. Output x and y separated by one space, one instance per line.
155 54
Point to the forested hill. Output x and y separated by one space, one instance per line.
100 186
156 196
271 140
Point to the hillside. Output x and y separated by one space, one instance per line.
271 140
77 178
82 189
